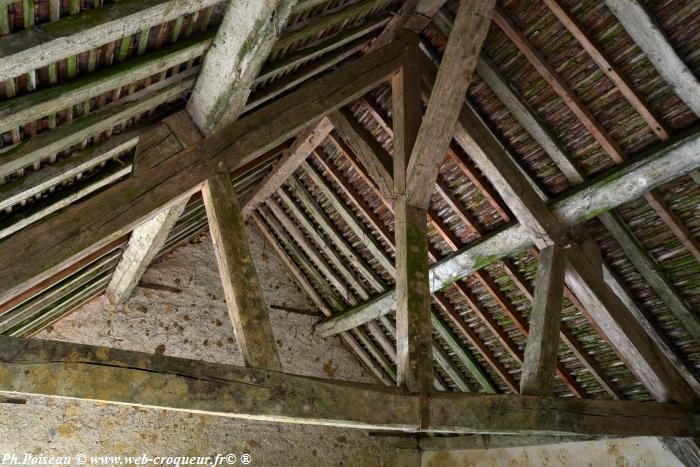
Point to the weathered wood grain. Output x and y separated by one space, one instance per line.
241 46
302 147
244 297
543 339
458 63
65 370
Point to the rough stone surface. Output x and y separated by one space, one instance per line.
193 324
615 453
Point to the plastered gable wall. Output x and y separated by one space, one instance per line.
194 324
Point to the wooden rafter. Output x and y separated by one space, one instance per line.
662 379
305 143
644 263
577 106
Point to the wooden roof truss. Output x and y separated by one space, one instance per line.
280 128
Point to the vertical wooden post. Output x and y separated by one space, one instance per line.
413 327
247 307
543 340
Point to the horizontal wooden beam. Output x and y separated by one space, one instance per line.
452 413
65 370
468 442
38 47
60 240
621 185
32 366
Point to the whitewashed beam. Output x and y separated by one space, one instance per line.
303 146
240 48
647 34
36 182
148 239
144 244
34 48
621 185
583 276
49 143
636 253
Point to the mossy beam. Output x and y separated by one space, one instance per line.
241 46
139 379
65 370
51 142
35 48
35 105
636 253
623 184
